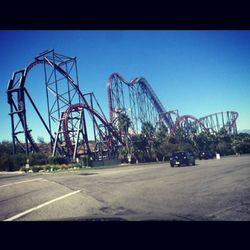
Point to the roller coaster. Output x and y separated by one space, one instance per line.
140 103
73 117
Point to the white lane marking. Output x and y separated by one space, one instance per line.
40 206
14 183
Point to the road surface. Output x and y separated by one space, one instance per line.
211 190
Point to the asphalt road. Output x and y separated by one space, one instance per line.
211 190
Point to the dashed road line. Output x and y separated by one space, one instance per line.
40 206
19 182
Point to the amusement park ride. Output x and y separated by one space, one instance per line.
71 113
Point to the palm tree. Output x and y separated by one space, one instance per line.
148 132
124 123
160 142
138 147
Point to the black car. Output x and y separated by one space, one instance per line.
182 158
206 155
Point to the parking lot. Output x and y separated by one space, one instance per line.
211 190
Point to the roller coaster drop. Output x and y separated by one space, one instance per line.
71 110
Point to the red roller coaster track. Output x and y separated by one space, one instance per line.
185 117
227 120
207 123
142 104
78 107
143 89
17 87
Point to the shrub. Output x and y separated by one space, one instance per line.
64 167
6 162
54 167
6 147
38 159
224 148
18 160
187 147
47 167
86 161
36 168
23 168
77 165
58 160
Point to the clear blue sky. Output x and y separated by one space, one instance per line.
196 72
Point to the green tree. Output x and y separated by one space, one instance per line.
139 147
124 123
224 148
241 143
202 141
6 147
148 132
167 148
122 154
160 141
